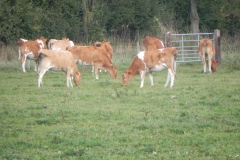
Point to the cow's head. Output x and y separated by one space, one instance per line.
214 65
205 42
127 77
77 78
113 71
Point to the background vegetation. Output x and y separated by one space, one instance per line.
102 19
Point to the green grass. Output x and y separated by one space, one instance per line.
198 119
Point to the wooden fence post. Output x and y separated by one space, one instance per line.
217 45
168 40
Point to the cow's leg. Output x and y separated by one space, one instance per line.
35 69
151 78
24 57
175 66
209 63
92 68
170 77
204 64
40 77
96 70
142 76
69 81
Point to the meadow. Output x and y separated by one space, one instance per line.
101 119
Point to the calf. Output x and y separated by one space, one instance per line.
206 49
29 49
96 56
150 61
63 44
151 43
61 60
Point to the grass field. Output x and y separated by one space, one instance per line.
198 119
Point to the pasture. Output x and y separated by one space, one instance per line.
198 119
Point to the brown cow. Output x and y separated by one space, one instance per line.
94 55
63 44
29 49
150 61
151 43
206 49
61 60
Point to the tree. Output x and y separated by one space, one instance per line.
85 21
194 17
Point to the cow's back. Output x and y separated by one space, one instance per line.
58 58
151 43
87 54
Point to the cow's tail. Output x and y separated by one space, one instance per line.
175 53
39 60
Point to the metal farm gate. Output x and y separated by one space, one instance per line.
187 45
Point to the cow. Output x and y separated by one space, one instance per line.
151 43
61 60
206 49
150 61
54 44
28 49
96 56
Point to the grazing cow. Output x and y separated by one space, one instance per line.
206 49
61 60
149 61
63 44
29 49
151 43
96 56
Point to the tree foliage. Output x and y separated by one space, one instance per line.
31 19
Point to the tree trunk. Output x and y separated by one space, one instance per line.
85 21
194 17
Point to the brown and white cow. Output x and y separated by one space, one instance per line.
96 56
206 49
151 61
151 43
61 60
28 49
63 44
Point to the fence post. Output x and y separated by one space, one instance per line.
168 39
217 45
